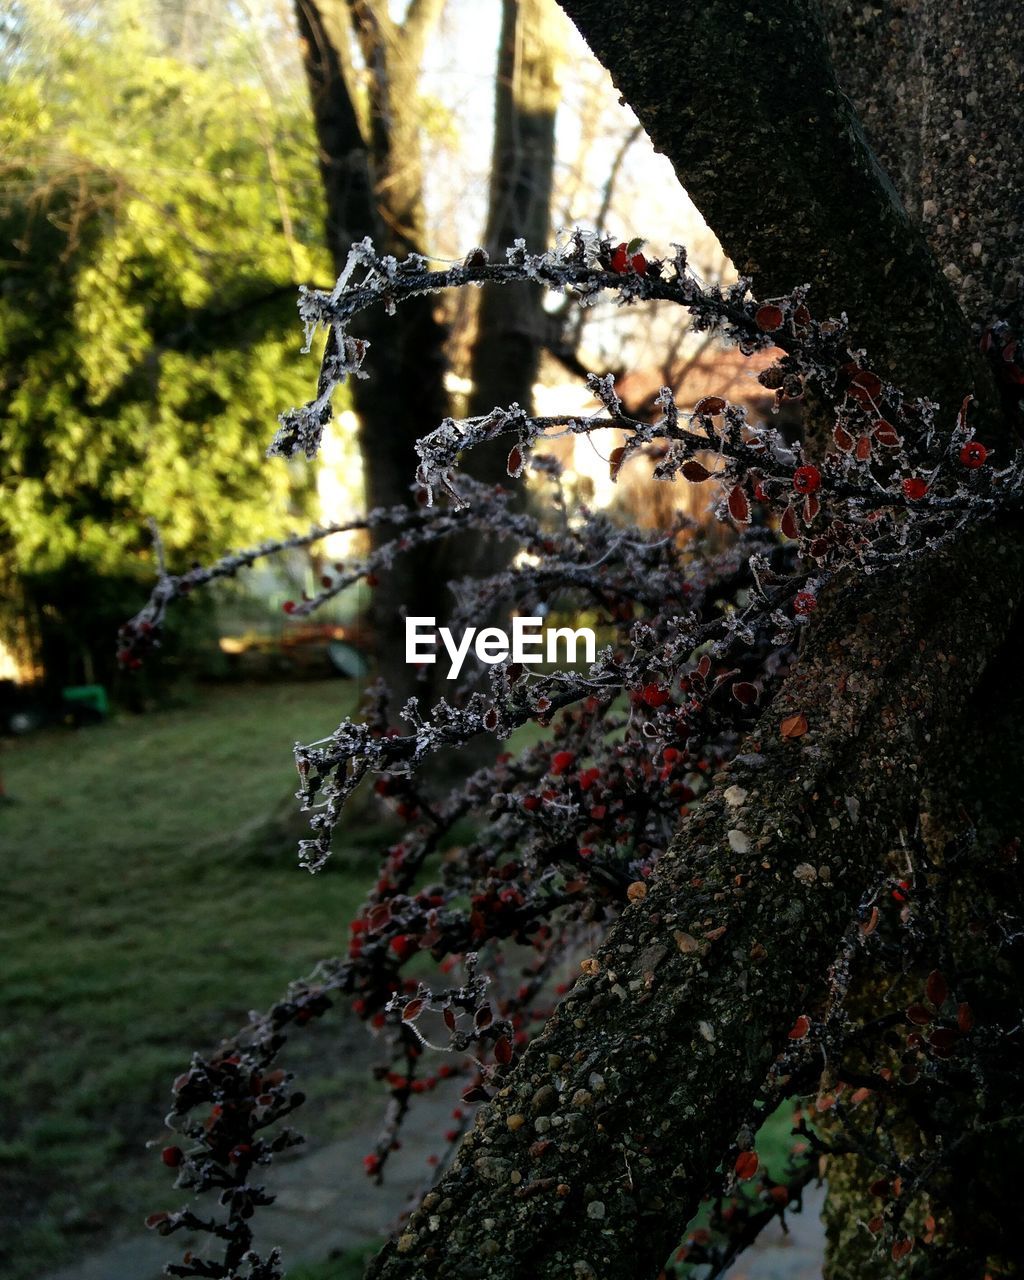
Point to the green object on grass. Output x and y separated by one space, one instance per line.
91 696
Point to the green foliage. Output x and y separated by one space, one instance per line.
160 204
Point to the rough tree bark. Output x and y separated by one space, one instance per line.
594 1156
598 1147
938 88
771 152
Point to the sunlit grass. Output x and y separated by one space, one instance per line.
136 928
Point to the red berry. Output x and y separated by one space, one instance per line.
973 455
561 761
620 258
172 1156
639 264
806 479
804 602
289 606
402 945
915 488
371 1164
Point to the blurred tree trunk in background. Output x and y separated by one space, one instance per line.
367 125
510 324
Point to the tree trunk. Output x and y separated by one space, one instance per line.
599 1145
510 321
937 87
595 1154
979 785
938 90
373 186
509 333
774 157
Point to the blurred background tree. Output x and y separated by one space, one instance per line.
160 206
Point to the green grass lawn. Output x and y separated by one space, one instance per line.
135 928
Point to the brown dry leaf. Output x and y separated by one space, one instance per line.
794 726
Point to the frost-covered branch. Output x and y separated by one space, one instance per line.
546 846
